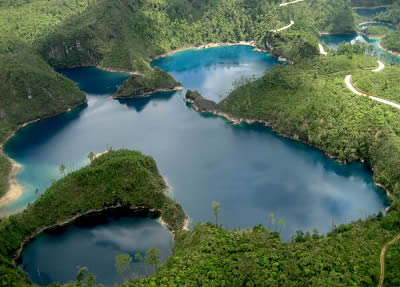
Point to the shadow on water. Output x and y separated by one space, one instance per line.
95 81
139 104
93 241
39 134
249 169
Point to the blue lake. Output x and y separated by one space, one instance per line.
93 242
250 170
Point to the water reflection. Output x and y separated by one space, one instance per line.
93 242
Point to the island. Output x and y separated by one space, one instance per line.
342 102
153 81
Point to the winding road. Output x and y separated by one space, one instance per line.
288 3
382 259
347 80
380 68
283 28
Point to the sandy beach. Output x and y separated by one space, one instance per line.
15 189
209 45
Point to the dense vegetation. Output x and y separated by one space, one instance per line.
29 90
306 101
392 41
126 34
391 15
371 3
151 81
309 101
376 30
125 178
347 256
382 85
392 274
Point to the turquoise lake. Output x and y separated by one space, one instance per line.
249 169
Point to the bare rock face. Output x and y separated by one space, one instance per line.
71 53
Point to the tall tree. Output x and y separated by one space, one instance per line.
216 207
62 169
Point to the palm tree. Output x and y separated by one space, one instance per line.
216 207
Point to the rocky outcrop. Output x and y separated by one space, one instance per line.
70 53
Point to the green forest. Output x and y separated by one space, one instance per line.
146 84
306 100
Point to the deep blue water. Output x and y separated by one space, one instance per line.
370 13
56 255
250 169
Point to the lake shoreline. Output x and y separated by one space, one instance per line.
207 46
373 7
134 209
15 189
123 71
237 121
148 94
387 50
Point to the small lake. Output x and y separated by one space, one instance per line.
56 255
250 169
334 40
369 13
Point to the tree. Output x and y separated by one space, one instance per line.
247 267
216 207
91 156
153 257
36 191
122 263
81 275
61 169
138 257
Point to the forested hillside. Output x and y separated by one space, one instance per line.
117 179
125 34
307 101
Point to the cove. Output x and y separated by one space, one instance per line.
334 40
248 168
93 241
